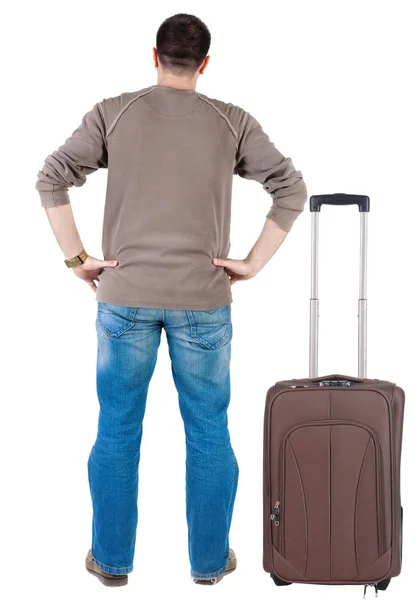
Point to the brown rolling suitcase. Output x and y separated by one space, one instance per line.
332 450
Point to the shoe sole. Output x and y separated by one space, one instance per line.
109 581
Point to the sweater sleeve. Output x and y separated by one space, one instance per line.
81 154
258 159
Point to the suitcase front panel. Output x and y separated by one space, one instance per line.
331 510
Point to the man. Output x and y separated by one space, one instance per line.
171 153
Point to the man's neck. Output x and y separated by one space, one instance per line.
180 83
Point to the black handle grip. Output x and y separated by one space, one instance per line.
316 202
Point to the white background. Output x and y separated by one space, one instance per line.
334 85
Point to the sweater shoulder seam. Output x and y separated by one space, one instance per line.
122 111
223 116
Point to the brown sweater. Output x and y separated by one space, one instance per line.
171 155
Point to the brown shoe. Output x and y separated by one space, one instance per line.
108 579
231 566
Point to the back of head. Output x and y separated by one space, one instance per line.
182 43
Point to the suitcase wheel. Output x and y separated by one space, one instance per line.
279 581
382 585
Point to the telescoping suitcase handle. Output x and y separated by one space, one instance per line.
315 204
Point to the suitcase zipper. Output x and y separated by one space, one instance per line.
275 515
281 458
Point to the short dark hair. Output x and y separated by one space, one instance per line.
182 43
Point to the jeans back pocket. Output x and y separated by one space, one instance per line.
114 319
212 329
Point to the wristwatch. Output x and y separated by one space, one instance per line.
77 260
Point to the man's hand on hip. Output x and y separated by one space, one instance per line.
90 270
238 270
270 240
62 223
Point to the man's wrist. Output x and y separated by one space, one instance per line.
76 260
255 265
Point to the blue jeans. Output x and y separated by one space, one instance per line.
199 348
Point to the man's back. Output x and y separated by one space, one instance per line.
171 154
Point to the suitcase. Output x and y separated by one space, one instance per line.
332 448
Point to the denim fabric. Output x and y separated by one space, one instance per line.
199 348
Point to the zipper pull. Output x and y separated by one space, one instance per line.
275 515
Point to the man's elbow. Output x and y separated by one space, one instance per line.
289 204
51 194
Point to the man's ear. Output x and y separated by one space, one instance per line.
155 58
204 65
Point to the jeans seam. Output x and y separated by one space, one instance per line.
89 467
233 481
190 318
